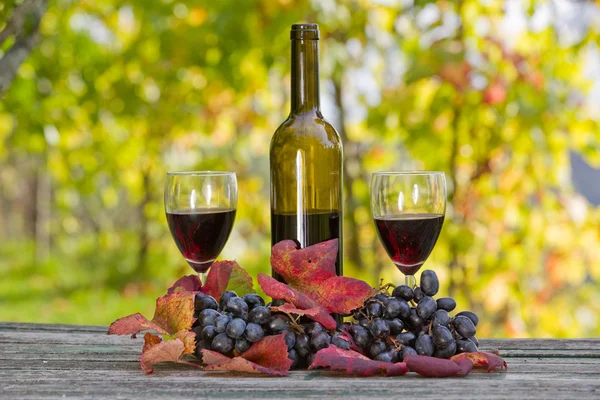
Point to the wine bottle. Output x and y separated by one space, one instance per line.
306 157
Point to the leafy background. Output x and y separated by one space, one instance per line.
500 95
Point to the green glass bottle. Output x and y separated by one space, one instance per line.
306 157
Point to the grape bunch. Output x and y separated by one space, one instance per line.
411 321
233 324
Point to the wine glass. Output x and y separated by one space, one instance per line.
408 208
200 208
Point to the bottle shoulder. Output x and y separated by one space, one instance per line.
309 127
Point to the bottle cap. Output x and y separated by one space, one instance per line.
304 32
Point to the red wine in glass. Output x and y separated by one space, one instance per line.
201 234
409 238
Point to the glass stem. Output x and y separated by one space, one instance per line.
202 276
410 281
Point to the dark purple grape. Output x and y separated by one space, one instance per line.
385 356
222 343
225 297
338 341
464 326
417 294
426 307
313 328
253 300
379 328
254 332
374 309
310 359
204 302
260 315
290 339
362 336
406 338
221 323
237 306
209 333
395 354
430 284
440 317
396 325
343 327
279 323
469 314
414 323
364 322
208 317
403 292
376 347
407 351
293 355
242 345
320 341
236 328
302 345
465 346
446 303
200 345
424 345
474 340
445 352
392 307
381 297
442 337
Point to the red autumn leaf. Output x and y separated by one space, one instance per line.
267 356
173 313
150 340
278 290
289 308
312 271
482 359
355 363
227 275
155 351
188 283
436 367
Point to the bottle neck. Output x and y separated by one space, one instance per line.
305 76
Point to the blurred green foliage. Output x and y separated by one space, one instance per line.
118 92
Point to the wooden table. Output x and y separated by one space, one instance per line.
61 361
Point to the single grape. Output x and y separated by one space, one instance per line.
446 303
203 301
313 328
469 314
338 341
362 336
290 339
465 346
379 328
414 322
221 323
236 328
418 294
242 345
374 309
208 317
222 343
376 347
445 352
302 345
279 323
407 351
406 338
237 306
403 292
385 356
442 337
209 333
225 297
429 282
253 300
395 354
381 297
464 326
320 341
260 315
198 331
424 345
396 325
440 317
404 309
392 307
293 355
254 332
474 340
426 307
364 322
